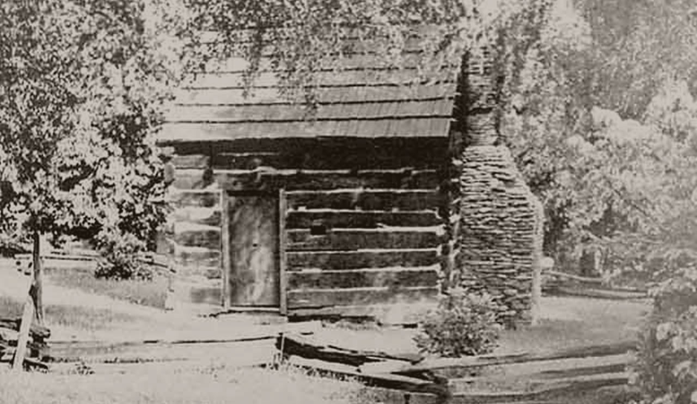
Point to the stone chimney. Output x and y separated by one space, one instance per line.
495 229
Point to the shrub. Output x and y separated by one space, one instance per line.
463 324
666 365
120 257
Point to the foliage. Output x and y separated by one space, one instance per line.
637 46
83 84
12 243
463 324
666 366
666 369
300 38
606 183
120 257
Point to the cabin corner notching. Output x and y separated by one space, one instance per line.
355 212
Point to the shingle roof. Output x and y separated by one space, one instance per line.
363 100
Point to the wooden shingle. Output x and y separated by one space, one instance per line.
366 99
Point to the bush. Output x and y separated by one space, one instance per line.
120 257
463 324
666 365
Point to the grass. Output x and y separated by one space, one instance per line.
10 308
81 318
578 322
86 318
144 293
204 386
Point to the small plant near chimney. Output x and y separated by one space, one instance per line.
464 324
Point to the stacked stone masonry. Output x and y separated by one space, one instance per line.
497 225
497 221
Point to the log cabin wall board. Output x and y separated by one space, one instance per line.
355 241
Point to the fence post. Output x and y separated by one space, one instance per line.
24 329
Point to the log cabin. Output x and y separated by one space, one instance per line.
374 204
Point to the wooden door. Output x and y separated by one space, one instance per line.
254 252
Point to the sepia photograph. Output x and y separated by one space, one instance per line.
348 201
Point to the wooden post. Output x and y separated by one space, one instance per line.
283 303
226 263
38 278
24 329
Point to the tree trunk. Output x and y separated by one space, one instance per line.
38 279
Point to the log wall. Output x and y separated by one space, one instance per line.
364 219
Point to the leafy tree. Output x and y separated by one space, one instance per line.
566 74
664 246
299 38
81 85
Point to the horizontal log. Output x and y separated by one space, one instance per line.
366 199
582 279
246 352
194 343
56 256
418 154
191 161
541 373
404 127
280 112
361 57
36 331
310 347
206 199
599 293
355 297
198 215
32 364
561 390
250 161
360 219
491 360
581 371
292 180
197 256
384 314
349 78
345 279
361 259
382 380
37 346
262 145
206 236
348 239
328 95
